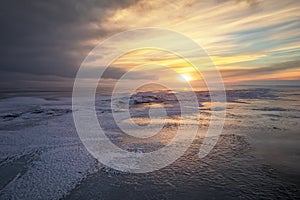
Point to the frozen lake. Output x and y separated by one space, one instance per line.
256 157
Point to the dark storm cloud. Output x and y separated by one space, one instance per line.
117 73
48 37
24 81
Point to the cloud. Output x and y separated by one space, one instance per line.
117 73
262 71
49 37
23 81
252 3
47 40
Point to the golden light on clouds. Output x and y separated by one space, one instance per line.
238 35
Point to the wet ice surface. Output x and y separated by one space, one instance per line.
41 156
230 171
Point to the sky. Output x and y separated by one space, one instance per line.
43 43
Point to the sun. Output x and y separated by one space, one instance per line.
186 77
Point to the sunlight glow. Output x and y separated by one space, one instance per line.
186 77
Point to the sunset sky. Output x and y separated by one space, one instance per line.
251 42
